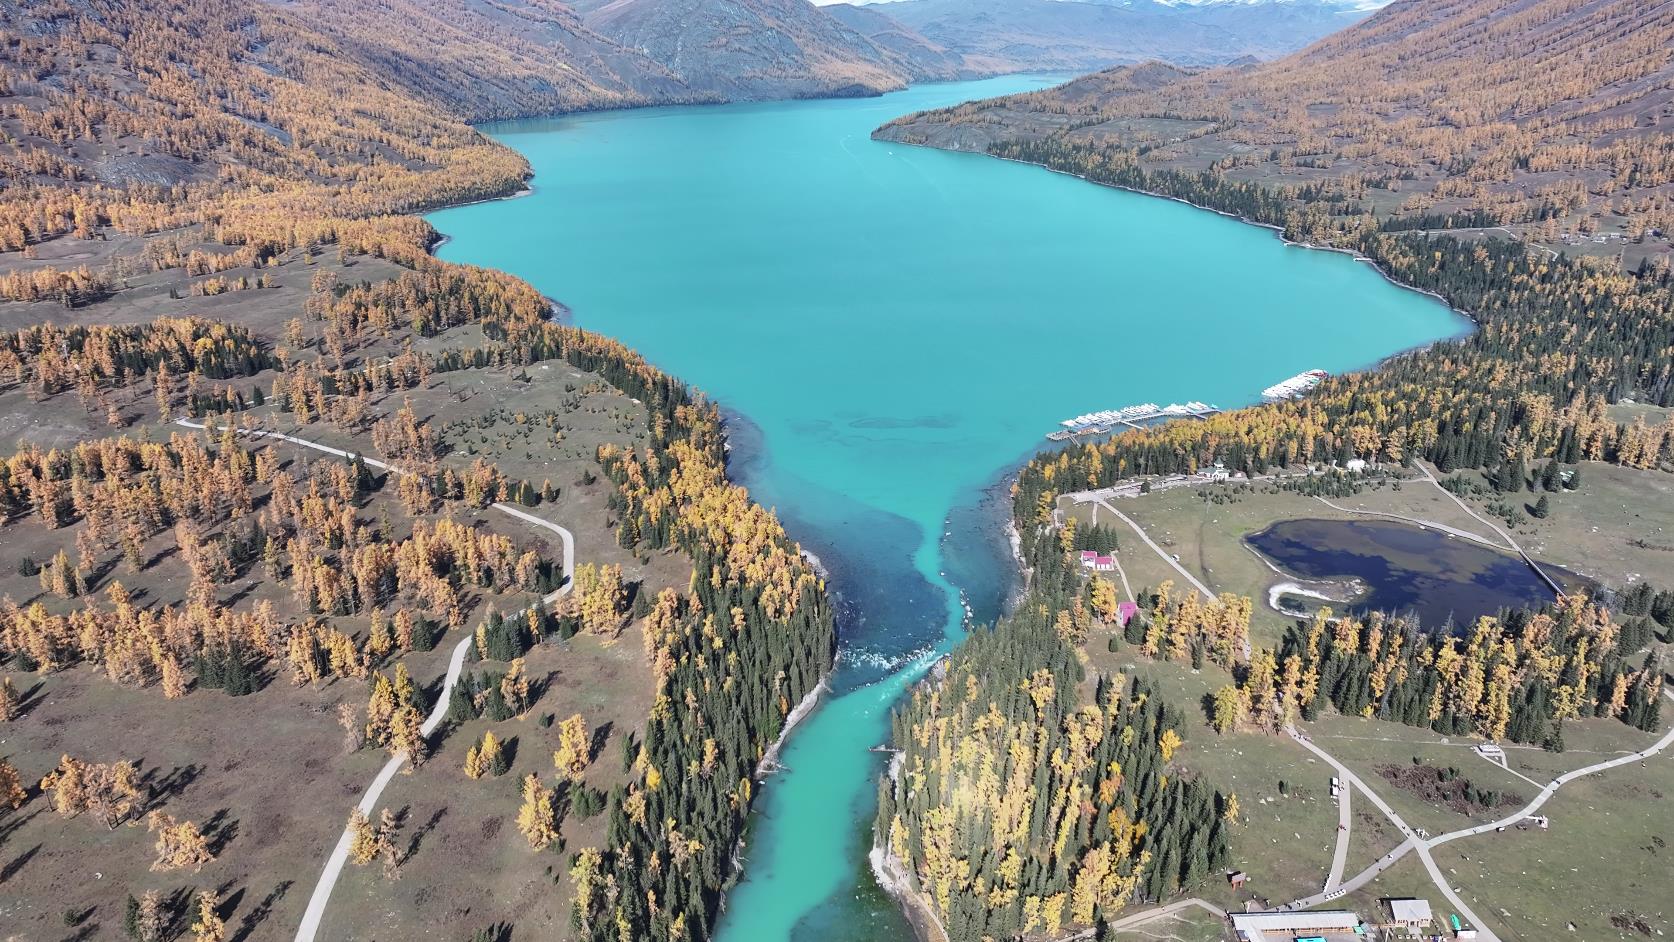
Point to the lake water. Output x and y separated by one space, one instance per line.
893 329
1406 569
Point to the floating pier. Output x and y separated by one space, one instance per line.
1134 417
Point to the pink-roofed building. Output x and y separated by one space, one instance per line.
1125 612
1103 563
1088 558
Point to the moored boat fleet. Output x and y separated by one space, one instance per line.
1135 417
1098 423
1295 386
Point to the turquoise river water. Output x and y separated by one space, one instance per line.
891 330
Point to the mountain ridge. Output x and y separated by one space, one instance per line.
1422 114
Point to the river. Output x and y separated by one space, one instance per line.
892 329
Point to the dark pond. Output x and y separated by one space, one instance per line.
1406 569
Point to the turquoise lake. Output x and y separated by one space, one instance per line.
891 330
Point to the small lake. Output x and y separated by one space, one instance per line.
1406 569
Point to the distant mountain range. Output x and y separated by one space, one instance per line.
1083 35
503 58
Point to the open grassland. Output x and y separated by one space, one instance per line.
269 777
264 775
1617 528
1369 746
1191 924
455 824
1605 864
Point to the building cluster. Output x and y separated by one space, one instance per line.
1405 918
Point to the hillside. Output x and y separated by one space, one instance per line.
1082 35
1416 142
493 60
263 498
917 56
1425 110
751 48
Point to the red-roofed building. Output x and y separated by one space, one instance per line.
1125 612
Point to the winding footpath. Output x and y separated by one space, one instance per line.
1423 846
310 925
1415 521
1418 844
1339 857
1553 786
1147 917
1199 586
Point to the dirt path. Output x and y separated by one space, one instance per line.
1150 915
1552 787
1159 550
1415 521
339 855
1339 857
1199 586
1423 846
1412 840
1490 525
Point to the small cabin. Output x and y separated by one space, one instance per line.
1409 913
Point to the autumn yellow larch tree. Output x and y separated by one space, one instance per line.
12 792
179 843
10 702
575 747
209 927
537 820
363 839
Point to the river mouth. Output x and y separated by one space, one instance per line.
1381 565
891 330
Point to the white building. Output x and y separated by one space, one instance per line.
1277 926
1409 913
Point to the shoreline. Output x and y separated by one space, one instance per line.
770 759
1278 231
892 876
439 238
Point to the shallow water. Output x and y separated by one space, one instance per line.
891 329
1407 570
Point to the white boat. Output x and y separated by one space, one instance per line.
1295 386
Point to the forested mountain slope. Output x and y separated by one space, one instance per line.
493 60
1550 114
1402 140
751 48
203 216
